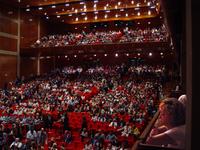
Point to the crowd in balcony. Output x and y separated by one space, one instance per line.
108 37
93 107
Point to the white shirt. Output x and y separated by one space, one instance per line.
178 135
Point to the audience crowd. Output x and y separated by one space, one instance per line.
87 108
124 36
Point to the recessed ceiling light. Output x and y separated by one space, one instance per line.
28 9
138 23
95 55
105 55
58 16
40 8
127 54
116 55
30 19
150 54
138 54
75 56
149 22
53 6
161 54
47 17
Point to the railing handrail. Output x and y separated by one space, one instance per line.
147 130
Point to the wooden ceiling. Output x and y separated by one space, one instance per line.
89 11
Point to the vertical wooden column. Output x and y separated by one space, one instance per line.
38 64
18 43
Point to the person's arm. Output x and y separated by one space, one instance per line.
158 130
160 139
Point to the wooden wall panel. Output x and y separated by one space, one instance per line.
8 26
8 69
8 44
46 65
28 66
8 12
28 30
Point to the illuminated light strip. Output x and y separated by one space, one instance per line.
115 19
102 9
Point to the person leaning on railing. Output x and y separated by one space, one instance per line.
170 127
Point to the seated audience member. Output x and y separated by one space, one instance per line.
84 134
88 145
16 144
31 137
41 137
170 130
126 130
67 136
